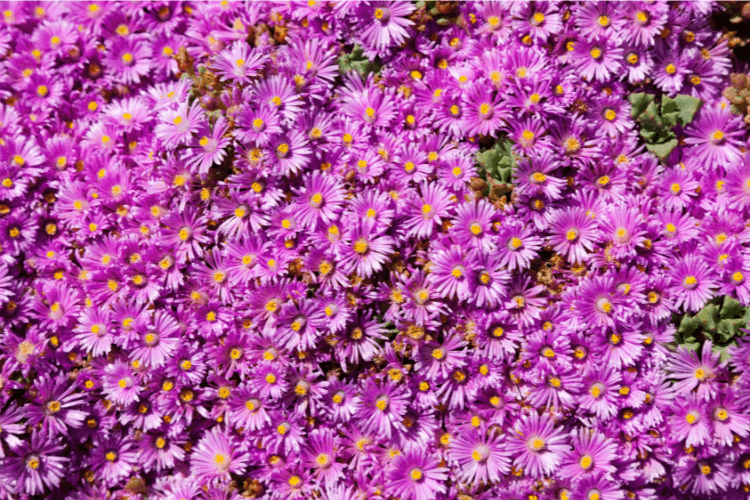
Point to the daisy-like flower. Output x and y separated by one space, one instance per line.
278 94
472 225
113 459
381 408
156 343
428 212
210 148
449 273
216 456
573 233
727 418
518 246
319 200
538 445
482 113
290 153
598 302
534 176
695 373
486 279
38 464
645 21
415 475
366 252
678 187
601 385
481 457
690 422
624 227
238 63
178 126
298 325
384 25
592 454
714 137
691 283
120 383
597 58
128 59
320 454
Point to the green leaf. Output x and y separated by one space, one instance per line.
691 346
688 325
505 175
499 161
489 160
729 328
662 150
687 106
648 135
356 61
639 102
650 118
731 308
709 316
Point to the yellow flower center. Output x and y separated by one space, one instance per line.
536 443
361 246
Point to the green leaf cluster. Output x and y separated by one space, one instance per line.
498 162
719 321
658 120
496 166
356 61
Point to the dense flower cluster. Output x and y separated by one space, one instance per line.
227 269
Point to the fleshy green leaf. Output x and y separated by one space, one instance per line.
356 61
639 102
664 149
489 160
729 328
731 308
688 325
687 107
650 118
709 316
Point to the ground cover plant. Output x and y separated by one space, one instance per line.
374 250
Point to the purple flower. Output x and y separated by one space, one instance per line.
415 476
538 445
691 283
695 373
36 465
384 25
366 251
216 457
481 458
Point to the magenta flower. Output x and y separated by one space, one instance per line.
215 456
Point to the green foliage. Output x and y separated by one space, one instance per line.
658 120
356 61
719 321
496 166
498 161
